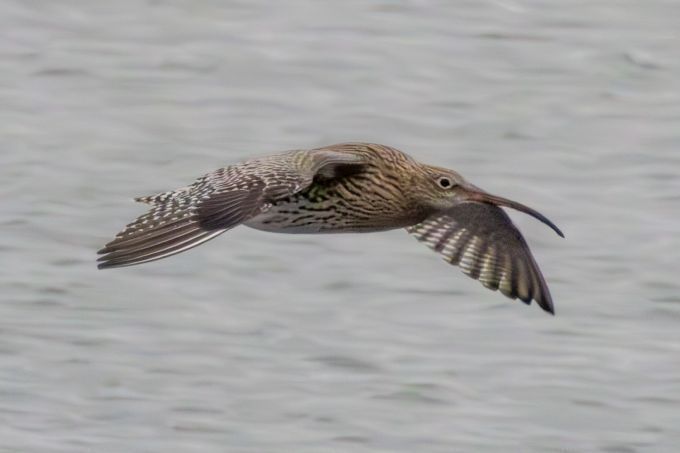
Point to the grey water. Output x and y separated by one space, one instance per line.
260 342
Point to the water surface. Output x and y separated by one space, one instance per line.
345 343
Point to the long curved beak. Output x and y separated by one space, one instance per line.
474 193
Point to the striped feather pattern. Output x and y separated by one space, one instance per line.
348 187
481 239
171 226
184 218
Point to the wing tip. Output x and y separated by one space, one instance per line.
112 264
546 305
542 295
104 265
153 250
105 261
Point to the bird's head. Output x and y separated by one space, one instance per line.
445 189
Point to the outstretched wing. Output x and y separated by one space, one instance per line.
182 219
481 239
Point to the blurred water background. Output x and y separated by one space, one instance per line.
348 343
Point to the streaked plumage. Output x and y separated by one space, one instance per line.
350 187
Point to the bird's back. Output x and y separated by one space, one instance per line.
374 196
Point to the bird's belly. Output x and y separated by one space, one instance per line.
299 218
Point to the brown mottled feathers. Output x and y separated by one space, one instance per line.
184 218
348 187
481 239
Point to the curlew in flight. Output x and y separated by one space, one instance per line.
343 188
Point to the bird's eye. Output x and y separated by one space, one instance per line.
444 182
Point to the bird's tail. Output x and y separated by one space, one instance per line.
171 226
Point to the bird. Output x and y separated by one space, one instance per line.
343 188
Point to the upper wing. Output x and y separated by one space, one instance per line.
267 179
184 218
481 239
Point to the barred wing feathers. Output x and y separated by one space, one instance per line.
481 239
184 218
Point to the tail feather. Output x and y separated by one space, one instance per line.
163 197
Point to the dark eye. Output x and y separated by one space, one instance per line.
444 182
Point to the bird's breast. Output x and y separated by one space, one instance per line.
351 204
